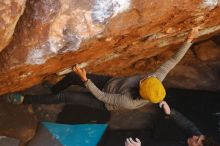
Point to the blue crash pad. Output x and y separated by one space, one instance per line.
76 135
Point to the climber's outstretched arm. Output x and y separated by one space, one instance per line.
165 68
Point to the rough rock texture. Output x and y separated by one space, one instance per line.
207 51
107 36
10 12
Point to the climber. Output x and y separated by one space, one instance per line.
117 93
185 133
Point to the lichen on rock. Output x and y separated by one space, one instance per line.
210 4
72 26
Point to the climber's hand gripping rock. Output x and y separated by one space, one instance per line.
80 72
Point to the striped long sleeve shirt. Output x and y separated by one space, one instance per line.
122 93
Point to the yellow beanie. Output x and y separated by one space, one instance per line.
152 89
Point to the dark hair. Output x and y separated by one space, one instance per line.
135 93
209 141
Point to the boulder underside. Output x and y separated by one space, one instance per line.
111 37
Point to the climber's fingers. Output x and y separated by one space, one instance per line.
194 33
80 72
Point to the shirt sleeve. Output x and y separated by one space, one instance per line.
188 126
165 68
113 99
